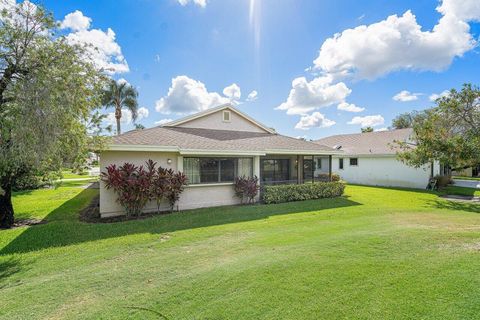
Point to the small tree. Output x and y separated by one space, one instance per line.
131 184
367 129
119 95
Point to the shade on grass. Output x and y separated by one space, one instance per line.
376 253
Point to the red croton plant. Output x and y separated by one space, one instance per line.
136 185
246 188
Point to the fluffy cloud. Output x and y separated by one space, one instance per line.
76 21
405 96
368 121
399 43
200 3
186 96
252 96
307 96
435 96
163 121
349 107
233 92
102 47
126 118
466 10
381 129
315 120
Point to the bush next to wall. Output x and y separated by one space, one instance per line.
307 191
246 188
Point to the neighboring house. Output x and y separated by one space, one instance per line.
212 148
370 158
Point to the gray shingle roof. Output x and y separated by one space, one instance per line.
208 139
379 142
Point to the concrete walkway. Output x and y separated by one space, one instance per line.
467 183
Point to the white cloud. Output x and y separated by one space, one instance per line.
102 48
382 129
76 21
349 107
465 10
200 3
307 96
142 113
405 96
122 81
398 42
315 120
368 121
163 121
252 96
186 96
233 92
435 96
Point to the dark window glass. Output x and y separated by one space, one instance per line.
354 161
227 170
208 170
307 169
340 163
275 170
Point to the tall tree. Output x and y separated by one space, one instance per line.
47 91
367 129
407 119
449 132
119 95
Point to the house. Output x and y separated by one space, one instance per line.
370 158
212 148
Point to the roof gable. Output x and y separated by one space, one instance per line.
213 119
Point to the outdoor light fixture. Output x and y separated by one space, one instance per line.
169 161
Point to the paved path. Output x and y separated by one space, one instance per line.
467 183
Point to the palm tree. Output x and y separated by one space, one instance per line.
121 95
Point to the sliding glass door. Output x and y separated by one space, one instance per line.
275 171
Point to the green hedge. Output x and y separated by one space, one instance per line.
297 192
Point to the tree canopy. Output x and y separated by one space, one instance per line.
48 89
449 132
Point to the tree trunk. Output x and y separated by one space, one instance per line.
6 207
118 116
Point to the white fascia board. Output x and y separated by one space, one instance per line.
303 152
137 147
366 155
198 152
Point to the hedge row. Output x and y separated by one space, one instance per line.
297 192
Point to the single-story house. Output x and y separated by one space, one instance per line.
212 148
371 158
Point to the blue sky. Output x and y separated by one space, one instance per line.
264 45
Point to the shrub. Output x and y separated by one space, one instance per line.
325 177
296 192
131 184
246 188
443 181
177 183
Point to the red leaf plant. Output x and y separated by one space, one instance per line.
246 188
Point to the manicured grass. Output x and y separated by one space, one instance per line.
68 174
376 253
466 178
462 191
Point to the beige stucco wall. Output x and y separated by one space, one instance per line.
197 196
215 121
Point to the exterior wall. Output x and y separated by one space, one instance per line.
195 196
215 121
383 171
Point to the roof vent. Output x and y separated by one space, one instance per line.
337 147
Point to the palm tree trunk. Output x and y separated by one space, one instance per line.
6 207
118 116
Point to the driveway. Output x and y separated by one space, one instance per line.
467 183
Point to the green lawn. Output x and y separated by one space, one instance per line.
466 178
68 174
376 253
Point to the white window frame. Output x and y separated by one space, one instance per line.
225 112
350 162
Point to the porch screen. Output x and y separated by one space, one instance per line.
214 170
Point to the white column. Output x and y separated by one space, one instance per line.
180 163
256 166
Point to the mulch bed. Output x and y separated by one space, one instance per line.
91 214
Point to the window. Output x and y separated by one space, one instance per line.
226 116
354 161
214 170
275 170
340 163
319 163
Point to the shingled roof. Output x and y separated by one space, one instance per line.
186 140
369 143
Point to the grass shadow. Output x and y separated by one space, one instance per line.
64 228
8 268
455 205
